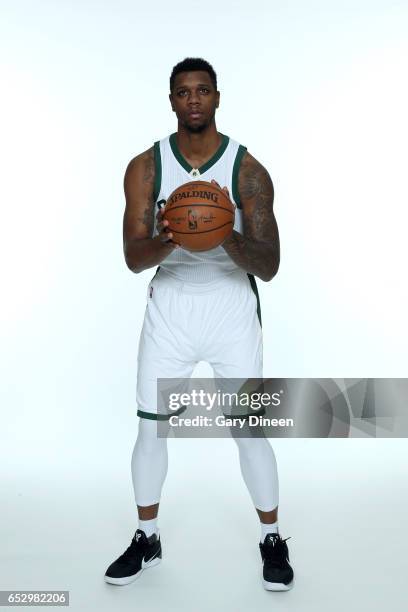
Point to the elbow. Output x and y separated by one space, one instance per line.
133 268
267 277
132 265
271 271
131 259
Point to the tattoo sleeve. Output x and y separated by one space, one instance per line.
148 180
141 250
257 250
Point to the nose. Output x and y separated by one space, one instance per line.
193 98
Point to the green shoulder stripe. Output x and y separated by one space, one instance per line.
235 171
157 170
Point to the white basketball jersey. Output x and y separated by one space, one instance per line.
171 171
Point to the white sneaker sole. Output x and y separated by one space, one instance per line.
129 579
277 586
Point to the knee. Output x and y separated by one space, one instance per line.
147 441
251 446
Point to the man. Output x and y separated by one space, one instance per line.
216 289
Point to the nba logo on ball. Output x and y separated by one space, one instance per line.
192 220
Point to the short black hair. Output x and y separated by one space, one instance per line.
189 64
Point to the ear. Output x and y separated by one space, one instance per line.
171 102
217 100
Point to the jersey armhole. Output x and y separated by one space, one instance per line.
235 171
157 170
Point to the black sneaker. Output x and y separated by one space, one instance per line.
277 573
142 553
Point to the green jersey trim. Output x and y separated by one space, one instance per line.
157 170
235 172
183 162
153 416
255 290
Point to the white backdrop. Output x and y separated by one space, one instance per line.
317 91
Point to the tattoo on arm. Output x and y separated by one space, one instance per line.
148 179
256 190
148 169
257 251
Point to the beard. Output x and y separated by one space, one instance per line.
197 128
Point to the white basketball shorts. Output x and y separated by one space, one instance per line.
184 323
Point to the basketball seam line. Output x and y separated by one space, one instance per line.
173 231
206 205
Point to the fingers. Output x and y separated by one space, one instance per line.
219 186
164 234
166 238
159 214
160 222
162 225
170 243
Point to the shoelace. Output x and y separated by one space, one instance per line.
277 551
130 551
278 539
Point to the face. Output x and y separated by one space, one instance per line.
194 100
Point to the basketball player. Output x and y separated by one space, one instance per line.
216 289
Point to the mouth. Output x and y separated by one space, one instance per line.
195 114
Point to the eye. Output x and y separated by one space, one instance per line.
205 89
181 92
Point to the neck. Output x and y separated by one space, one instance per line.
202 144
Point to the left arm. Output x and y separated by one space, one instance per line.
257 251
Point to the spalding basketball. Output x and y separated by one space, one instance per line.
200 215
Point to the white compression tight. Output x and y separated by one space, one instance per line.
259 471
150 462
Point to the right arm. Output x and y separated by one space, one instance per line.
140 249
